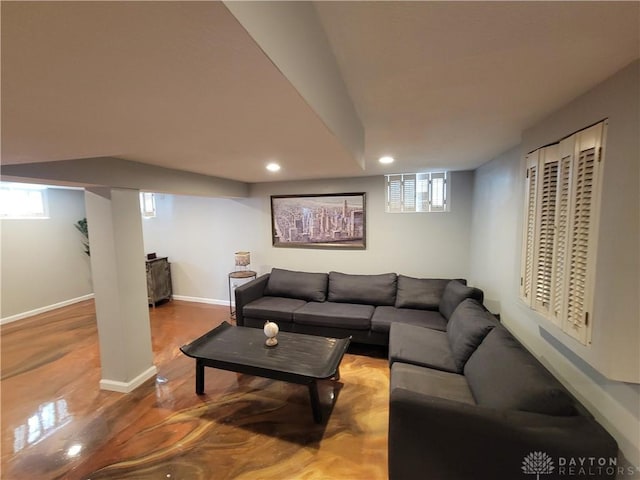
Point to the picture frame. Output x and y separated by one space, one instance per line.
331 221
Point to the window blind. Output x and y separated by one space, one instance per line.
417 192
548 189
529 227
562 193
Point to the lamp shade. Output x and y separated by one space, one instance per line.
242 259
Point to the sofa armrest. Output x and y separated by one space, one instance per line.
431 437
454 293
247 293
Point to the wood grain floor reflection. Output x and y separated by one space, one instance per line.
58 424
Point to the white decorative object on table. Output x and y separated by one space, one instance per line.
271 330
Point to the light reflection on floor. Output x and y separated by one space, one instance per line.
49 417
57 423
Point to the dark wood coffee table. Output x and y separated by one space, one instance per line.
298 358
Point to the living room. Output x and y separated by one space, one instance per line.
479 239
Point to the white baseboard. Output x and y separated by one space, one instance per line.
48 308
210 301
128 387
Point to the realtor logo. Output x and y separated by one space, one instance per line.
537 463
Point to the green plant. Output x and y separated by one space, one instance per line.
83 228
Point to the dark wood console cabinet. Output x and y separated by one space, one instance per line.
158 280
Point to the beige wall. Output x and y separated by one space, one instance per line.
416 244
43 260
496 248
200 235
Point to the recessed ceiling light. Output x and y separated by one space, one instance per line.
386 159
273 167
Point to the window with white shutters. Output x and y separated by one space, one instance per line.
560 228
438 192
582 232
422 193
545 216
394 193
562 222
148 204
529 227
416 192
409 193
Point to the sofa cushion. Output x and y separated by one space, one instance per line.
277 309
385 316
339 315
365 289
469 324
503 375
420 293
433 383
454 293
305 286
420 346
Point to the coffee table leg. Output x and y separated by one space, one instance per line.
315 402
199 377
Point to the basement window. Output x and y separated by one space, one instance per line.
417 192
148 204
23 201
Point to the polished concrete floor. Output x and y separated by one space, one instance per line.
58 424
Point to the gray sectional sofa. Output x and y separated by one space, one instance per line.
471 403
467 400
339 305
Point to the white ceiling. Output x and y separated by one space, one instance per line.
183 85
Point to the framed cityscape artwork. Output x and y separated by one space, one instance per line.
319 221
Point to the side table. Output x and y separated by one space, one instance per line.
159 285
238 275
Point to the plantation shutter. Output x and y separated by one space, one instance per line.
394 193
560 230
528 247
417 192
438 200
563 209
545 216
582 232
422 192
409 193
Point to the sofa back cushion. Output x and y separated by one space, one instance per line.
454 293
420 293
365 289
469 324
311 287
503 375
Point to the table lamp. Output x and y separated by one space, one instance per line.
243 259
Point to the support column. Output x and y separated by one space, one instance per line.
119 283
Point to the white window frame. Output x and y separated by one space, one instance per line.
23 201
417 192
560 230
148 204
